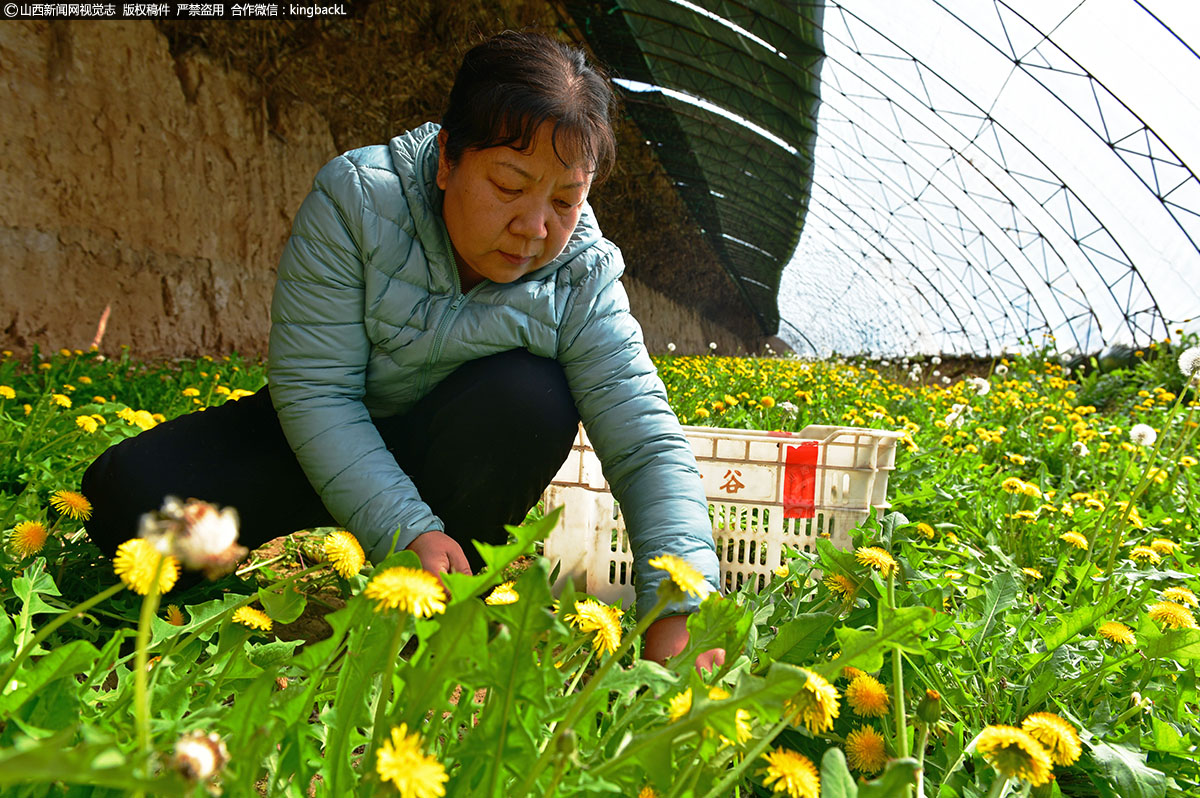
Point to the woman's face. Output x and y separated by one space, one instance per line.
508 212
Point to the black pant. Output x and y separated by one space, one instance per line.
480 447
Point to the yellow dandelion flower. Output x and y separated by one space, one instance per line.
1181 595
1145 554
1075 539
409 590
1016 459
840 583
413 773
850 673
1014 754
71 504
1057 736
878 559
503 593
175 615
926 531
137 560
252 618
6 392
815 706
344 553
742 721
1187 461
27 538
1173 616
867 697
190 392
647 792
603 621
1012 485
1029 489
86 423
767 402
782 572
679 705
683 575
866 751
792 774
1032 573
1116 632
62 400
1164 546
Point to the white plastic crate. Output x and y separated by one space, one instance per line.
766 490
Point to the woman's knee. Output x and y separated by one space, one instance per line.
529 395
111 483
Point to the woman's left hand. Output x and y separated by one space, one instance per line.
666 637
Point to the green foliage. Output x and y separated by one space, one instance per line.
990 608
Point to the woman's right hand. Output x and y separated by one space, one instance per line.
440 553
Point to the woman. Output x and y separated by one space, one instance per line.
446 312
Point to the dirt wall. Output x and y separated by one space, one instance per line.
134 180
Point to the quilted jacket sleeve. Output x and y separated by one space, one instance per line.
317 368
646 458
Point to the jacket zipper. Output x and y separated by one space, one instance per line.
439 337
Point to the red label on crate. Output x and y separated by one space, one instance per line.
800 481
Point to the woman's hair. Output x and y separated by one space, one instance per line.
512 83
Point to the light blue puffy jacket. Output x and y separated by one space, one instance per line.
368 316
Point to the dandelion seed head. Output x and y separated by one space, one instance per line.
1189 361
199 756
1142 435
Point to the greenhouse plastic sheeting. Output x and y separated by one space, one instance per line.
986 175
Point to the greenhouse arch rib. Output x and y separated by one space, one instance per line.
1137 309
883 175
